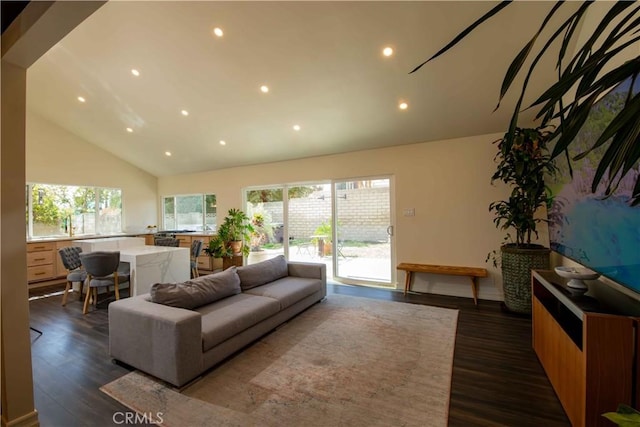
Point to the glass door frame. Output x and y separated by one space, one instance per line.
285 209
285 204
392 220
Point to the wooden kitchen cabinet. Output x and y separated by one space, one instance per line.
40 261
185 240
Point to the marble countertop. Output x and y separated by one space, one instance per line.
145 250
105 239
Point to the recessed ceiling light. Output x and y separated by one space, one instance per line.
184 112
403 106
296 127
222 142
218 32
129 130
81 99
387 51
264 88
135 72
167 153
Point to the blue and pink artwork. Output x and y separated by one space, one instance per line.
600 233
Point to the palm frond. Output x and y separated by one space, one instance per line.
466 31
582 82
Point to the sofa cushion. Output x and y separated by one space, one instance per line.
263 272
197 292
228 317
288 290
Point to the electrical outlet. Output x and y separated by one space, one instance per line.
409 212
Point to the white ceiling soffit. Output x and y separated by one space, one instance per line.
322 62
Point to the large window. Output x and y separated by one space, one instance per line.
195 212
59 210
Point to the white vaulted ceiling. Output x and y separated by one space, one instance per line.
322 62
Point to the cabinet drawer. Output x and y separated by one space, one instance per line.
43 246
204 263
39 258
185 241
40 272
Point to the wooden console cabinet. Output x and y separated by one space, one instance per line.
586 346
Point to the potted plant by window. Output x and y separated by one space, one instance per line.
218 247
523 161
231 238
239 232
235 230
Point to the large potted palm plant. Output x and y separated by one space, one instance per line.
523 161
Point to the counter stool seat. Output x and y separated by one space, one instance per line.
102 271
70 257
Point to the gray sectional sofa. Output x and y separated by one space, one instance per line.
180 330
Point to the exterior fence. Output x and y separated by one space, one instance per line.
363 214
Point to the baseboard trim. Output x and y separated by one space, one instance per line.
27 420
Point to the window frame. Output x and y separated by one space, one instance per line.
203 224
96 189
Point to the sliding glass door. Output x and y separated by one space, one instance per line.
286 220
346 225
363 236
265 208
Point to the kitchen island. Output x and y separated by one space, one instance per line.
155 264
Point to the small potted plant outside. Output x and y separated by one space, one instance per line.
523 162
324 242
263 231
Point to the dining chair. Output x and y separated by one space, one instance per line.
305 248
166 241
102 271
70 257
196 248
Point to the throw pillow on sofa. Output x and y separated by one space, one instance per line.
197 292
263 272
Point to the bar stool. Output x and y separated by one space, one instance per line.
196 248
102 271
70 258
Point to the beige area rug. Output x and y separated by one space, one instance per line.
346 361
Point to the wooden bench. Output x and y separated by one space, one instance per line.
472 272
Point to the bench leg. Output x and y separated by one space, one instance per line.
407 282
474 289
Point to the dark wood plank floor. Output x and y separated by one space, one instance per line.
497 379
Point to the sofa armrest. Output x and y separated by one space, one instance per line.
163 341
311 270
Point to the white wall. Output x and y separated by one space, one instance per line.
447 182
55 156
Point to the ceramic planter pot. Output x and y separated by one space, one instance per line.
236 247
517 263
